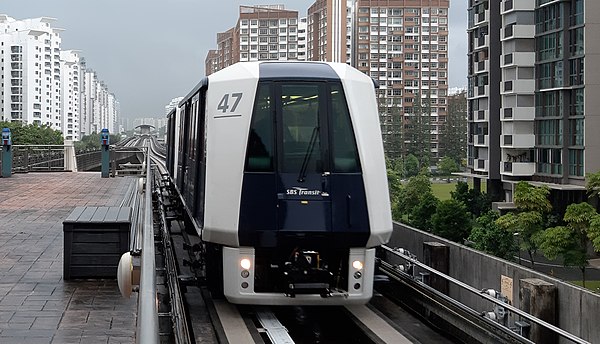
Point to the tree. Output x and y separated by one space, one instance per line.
593 184
92 141
451 221
32 134
571 241
453 141
411 166
412 194
420 217
488 237
447 166
593 188
594 233
395 188
477 202
419 131
529 219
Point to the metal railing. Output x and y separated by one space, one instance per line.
42 158
411 259
147 329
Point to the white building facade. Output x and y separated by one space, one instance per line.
99 107
31 71
70 71
41 84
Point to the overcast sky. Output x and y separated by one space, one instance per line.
150 51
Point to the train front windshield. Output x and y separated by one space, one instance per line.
309 123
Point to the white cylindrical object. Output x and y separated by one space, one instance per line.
124 272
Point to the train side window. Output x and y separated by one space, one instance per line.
345 154
259 157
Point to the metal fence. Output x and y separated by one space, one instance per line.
42 158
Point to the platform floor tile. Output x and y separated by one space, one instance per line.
36 304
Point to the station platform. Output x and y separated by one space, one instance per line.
36 304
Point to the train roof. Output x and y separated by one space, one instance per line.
278 70
202 84
296 70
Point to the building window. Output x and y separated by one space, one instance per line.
548 18
576 162
576 132
549 161
549 132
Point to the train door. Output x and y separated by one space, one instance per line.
304 203
200 157
189 192
182 166
346 186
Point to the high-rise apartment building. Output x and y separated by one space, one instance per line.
100 108
484 126
41 84
302 33
530 99
70 71
262 33
31 75
349 30
211 63
327 24
403 44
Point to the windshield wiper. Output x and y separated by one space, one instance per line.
309 150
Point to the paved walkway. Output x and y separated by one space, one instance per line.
36 305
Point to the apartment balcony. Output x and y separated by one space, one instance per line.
517 114
481 165
482 91
482 66
519 86
482 42
516 5
517 31
481 141
526 59
481 115
517 169
521 141
481 18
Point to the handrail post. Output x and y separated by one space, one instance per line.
147 329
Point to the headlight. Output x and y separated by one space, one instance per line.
245 263
357 264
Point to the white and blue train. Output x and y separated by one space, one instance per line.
281 169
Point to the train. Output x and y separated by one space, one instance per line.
281 170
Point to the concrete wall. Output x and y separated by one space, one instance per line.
578 309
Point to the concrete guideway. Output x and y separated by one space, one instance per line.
36 304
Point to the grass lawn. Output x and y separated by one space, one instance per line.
591 285
442 190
